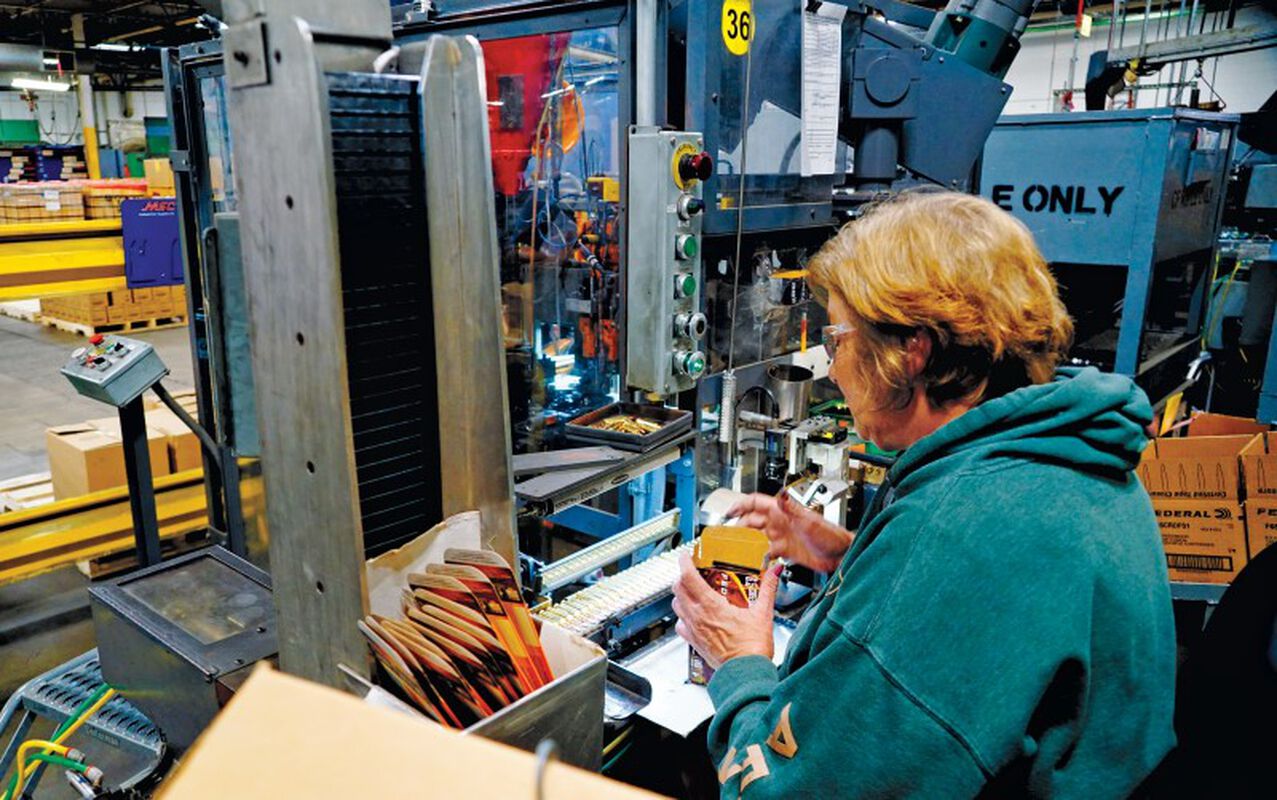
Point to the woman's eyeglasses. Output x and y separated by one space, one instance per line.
829 336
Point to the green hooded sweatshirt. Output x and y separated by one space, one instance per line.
1001 625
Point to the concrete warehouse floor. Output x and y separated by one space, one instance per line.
34 396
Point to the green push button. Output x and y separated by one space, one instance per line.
695 365
686 247
684 285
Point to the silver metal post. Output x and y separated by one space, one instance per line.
278 111
474 421
645 63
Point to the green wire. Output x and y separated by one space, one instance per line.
76 713
612 762
79 710
58 761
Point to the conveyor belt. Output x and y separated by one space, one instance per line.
608 551
591 609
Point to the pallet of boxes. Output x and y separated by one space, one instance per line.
121 311
52 201
1214 491
102 198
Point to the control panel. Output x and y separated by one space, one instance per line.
664 323
114 369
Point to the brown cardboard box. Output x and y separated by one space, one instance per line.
159 176
338 746
89 456
1195 486
1259 467
183 444
1261 525
1205 423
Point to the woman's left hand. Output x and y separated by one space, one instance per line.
717 629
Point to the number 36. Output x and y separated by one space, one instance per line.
739 24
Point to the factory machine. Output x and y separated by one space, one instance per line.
1131 236
434 263
659 174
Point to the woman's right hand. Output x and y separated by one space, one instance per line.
797 534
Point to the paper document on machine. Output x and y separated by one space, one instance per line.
822 79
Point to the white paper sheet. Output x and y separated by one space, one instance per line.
679 706
822 78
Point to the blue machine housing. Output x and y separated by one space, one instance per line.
1150 203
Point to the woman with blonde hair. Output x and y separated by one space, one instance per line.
1000 624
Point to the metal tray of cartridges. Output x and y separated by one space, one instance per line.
672 421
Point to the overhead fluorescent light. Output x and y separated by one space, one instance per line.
113 47
47 86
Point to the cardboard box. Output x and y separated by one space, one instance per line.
1195 485
1259 469
89 456
578 665
731 560
338 746
183 445
159 176
1205 423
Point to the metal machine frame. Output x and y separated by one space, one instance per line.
275 71
280 118
184 68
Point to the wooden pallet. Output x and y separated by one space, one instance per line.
26 491
115 563
26 310
159 323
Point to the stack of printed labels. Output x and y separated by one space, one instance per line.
465 646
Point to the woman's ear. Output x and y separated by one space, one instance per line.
917 353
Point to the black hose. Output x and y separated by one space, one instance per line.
210 446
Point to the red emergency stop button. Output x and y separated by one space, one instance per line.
95 339
695 166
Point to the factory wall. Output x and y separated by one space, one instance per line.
59 114
1244 80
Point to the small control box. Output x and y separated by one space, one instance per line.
114 369
664 323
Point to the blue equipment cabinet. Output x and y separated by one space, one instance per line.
1139 192
152 247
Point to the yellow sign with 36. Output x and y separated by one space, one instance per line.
738 26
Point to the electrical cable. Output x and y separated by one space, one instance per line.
616 758
1211 86
59 761
19 765
1218 308
740 210
205 439
56 746
729 377
79 710
620 737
